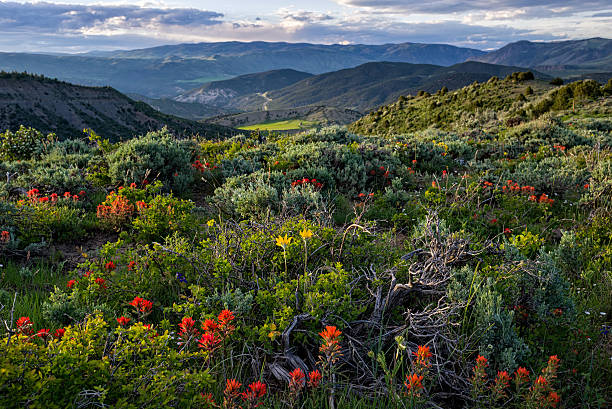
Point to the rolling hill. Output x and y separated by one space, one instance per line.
483 106
372 84
66 109
593 54
189 110
222 93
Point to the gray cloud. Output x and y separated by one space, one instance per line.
75 28
47 17
533 8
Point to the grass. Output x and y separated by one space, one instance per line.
286 125
32 283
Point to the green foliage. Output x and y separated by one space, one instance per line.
157 155
23 144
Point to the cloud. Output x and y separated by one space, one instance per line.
50 27
66 18
530 8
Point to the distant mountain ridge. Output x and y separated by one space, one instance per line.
171 70
372 84
66 109
590 54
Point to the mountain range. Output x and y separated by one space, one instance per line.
361 88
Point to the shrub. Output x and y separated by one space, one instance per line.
23 144
157 155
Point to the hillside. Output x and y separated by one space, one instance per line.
593 54
369 85
319 114
480 105
66 109
222 93
189 110
171 70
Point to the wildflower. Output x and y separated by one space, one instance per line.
43 333
297 380
24 326
372 172
53 197
257 390
123 321
181 277
67 195
444 173
507 231
413 383
110 265
283 241
5 236
211 222
132 185
43 199
210 325
82 193
586 185
59 333
141 304
553 399
131 265
232 388
422 355
314 379
361 194
521 375
414 161
209 341
101 282
557 312
75 198
541 382
502 382
187 325
330 334
306 233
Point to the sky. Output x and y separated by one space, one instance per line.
67 26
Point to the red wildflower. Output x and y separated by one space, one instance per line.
224 318
541 381
54 197
59 333
209 341
5 236
101 282
361 194
67 195
82 193
187 325
586 185
507 231
297 380
257 390
422 355
372 172
110 265
314 379
131 265
493 221
482 361
210 325
123 321
444 173
330 334
232 388
413 383
88 273
44 199
141 304
521 375
414 161
24 326
43 333
553 399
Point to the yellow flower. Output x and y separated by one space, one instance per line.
306 233
211 222
283 241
